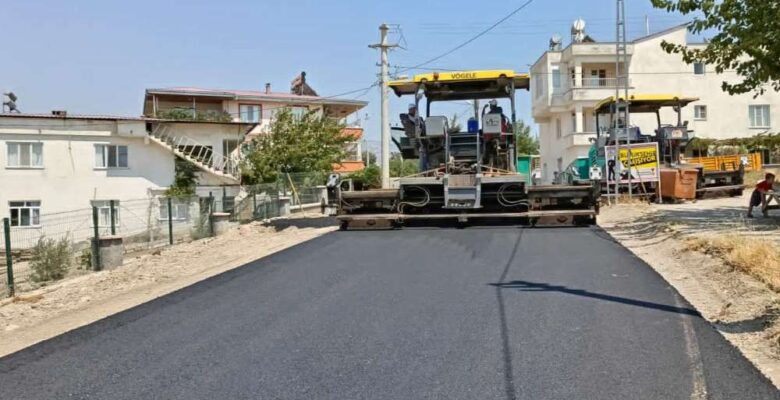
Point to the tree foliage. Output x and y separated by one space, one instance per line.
747 39
309 143
524 142
185 179
368 178
762 142
400 167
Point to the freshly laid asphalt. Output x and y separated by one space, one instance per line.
477 313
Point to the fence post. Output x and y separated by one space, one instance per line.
211 213
96 266
9 265
113 217
254 204
224 197
170 222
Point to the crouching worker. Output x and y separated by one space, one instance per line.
759 196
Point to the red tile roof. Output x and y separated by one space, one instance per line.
349 166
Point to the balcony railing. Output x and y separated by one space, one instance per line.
597 83
579 138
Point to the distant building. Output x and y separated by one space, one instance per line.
567 83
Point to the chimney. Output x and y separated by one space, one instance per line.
267 88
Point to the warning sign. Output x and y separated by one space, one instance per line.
643 165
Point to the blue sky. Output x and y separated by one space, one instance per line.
99 56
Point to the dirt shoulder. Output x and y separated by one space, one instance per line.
60 307
740 306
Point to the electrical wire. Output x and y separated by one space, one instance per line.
104 121
473 38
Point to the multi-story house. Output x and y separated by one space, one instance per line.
567 83
253 107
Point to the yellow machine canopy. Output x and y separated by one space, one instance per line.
463 85
646 103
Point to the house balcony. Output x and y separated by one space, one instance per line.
576 139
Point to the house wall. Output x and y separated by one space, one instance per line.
69 179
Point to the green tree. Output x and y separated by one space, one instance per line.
400 167
747 39
185 179
524 142
309 143
368 178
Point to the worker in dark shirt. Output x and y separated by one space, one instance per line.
420 128
759 196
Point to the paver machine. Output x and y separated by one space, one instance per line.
671 138
466 174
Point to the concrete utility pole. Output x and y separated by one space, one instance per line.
621 72
383 47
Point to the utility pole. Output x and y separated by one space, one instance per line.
621 72
384 47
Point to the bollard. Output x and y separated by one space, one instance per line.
96 266
9 266
170 222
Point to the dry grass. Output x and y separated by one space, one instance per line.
759 258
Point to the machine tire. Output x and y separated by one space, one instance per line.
737 193
344 225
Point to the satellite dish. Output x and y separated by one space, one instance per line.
555 42
578 31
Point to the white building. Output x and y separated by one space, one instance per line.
54 167
566 84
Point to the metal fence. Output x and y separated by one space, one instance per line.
141 223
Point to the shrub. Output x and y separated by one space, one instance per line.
370 177
51 259
85 259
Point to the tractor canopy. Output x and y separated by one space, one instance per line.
645 103
463 85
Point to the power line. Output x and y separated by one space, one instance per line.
477 36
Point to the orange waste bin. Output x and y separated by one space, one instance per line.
679 183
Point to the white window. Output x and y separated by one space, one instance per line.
25 155
698 68
556 77
104 212
25 213
250 112
700 113
574 123
539 85
759 116
181 209
558 132
110 156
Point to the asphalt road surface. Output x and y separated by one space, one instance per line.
482 313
